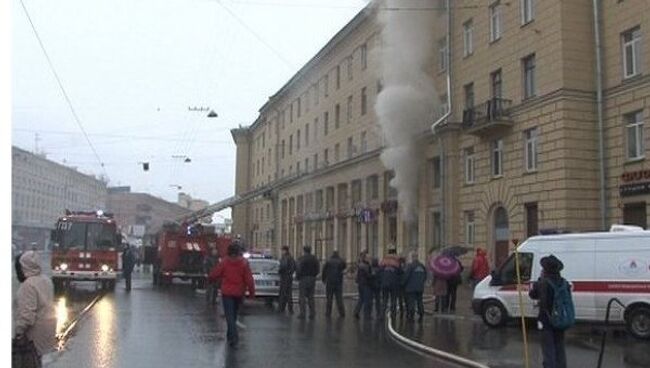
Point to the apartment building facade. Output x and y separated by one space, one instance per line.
517 155
41 191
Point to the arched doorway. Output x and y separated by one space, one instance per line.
501 235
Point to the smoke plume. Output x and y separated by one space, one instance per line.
406 104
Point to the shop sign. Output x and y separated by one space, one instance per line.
628 190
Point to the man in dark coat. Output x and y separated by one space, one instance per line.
375 285
452 286
553 350
390 281
415 275
333 278
306 271
128 262
287 269
364 285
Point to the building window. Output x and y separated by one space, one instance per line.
315 161
350 66
298 140
634 128
337 116
435 172
326 123
364 143
307 99
442 55
635 214
299 106
497 158
282 147
372 187
437 229
497 84
337 149
527 11
290 144
364 101
307 134
315 129
470 227
528 65
298 167
338 77
291 113
316 88
327 85
349 112
532 222
364 56
350 147
631 52
469 96
469 165
531 137
495 21
468 34
326 157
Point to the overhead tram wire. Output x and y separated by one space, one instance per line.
65 94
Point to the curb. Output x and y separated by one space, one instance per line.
429 351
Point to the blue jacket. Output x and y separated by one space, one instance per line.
414 277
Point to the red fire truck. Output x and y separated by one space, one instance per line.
181 253
87 247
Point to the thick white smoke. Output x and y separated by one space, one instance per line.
406 104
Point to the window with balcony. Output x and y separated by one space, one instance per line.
495 21
469 113
435 172
496 84
497 158
528 66
631 41
531 137
468 38
470 160
634 129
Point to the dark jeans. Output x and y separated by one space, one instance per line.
306 287
413 300
386 293
334 291
230 309
452 288
441 304
286 294
376 298
365 301
127 281
401 300
553 353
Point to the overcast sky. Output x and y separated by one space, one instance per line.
133 67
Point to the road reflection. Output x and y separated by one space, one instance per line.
62 316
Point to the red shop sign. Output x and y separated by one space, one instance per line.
635 176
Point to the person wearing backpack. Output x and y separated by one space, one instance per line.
556 311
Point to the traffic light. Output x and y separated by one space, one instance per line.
145 166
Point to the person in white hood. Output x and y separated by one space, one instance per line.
35 313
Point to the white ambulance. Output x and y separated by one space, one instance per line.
599 266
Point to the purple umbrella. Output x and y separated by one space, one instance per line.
444 266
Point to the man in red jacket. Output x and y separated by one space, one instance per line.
235 276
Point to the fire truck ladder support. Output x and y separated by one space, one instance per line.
233 201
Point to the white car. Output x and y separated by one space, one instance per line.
266 276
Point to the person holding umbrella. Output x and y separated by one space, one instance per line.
443 267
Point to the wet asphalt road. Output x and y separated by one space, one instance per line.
175 327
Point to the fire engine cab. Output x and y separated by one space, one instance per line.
86 248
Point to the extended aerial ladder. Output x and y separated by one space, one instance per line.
265 190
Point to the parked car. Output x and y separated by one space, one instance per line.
266 276
599 266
